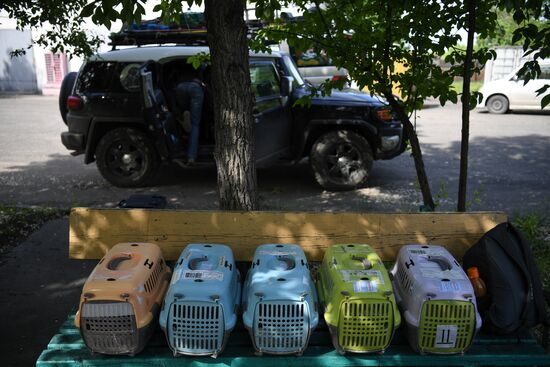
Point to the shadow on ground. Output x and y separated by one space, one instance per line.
508 173
37 281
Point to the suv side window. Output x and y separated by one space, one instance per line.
96 77
544 72
264 80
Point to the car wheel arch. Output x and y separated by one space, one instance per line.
320 127
486 98
98 129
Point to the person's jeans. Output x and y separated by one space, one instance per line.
190 97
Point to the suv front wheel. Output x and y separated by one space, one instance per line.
126 158
341 160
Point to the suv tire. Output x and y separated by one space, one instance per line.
126 157
64 92
497 104
341 160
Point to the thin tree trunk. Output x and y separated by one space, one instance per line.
464 143
407 125
416 151
234 150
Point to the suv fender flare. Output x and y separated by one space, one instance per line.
100 126
317 127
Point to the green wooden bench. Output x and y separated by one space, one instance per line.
67 349
94 231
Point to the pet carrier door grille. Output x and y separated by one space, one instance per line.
365 325
281 326
446 326
109 327
196 327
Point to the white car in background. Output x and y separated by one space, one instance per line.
509 93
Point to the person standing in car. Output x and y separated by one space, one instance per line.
190 97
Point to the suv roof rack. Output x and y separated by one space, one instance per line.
190 31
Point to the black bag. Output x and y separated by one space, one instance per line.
144 202
515 297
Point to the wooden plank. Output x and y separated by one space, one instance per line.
94 231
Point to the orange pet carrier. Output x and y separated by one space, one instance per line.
121 299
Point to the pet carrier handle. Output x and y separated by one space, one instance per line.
114 263
366 263
441 261
194 263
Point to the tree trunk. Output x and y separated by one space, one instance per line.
416 151
233 103
464 143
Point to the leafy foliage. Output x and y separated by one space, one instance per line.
533 19
369 38
65 32
504 30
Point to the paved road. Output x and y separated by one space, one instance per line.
509 167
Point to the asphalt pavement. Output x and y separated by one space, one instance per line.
509 167
39 285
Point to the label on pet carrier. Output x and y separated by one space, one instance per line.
450 286
278 253
357 275
197 274
365 286
445 336
431 269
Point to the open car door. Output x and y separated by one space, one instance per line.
165 129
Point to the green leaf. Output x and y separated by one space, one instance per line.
542 89
88 10
519 16
517 36
545 101
453 96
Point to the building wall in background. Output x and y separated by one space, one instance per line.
17 74
508 58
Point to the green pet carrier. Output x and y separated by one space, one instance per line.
356 293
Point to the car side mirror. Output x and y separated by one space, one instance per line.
286 85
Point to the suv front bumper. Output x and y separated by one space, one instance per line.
391 142
73 141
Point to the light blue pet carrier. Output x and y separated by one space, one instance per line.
279 300
199 309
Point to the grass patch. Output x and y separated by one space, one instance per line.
16 223
538 234
474 85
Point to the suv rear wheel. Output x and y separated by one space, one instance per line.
126 158
341 160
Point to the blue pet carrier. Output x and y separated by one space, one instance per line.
199 310
279 300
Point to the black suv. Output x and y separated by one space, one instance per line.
115 118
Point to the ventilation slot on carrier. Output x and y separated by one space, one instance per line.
109 327
196 327
453 322
404 279
154 277
281 326
365 325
